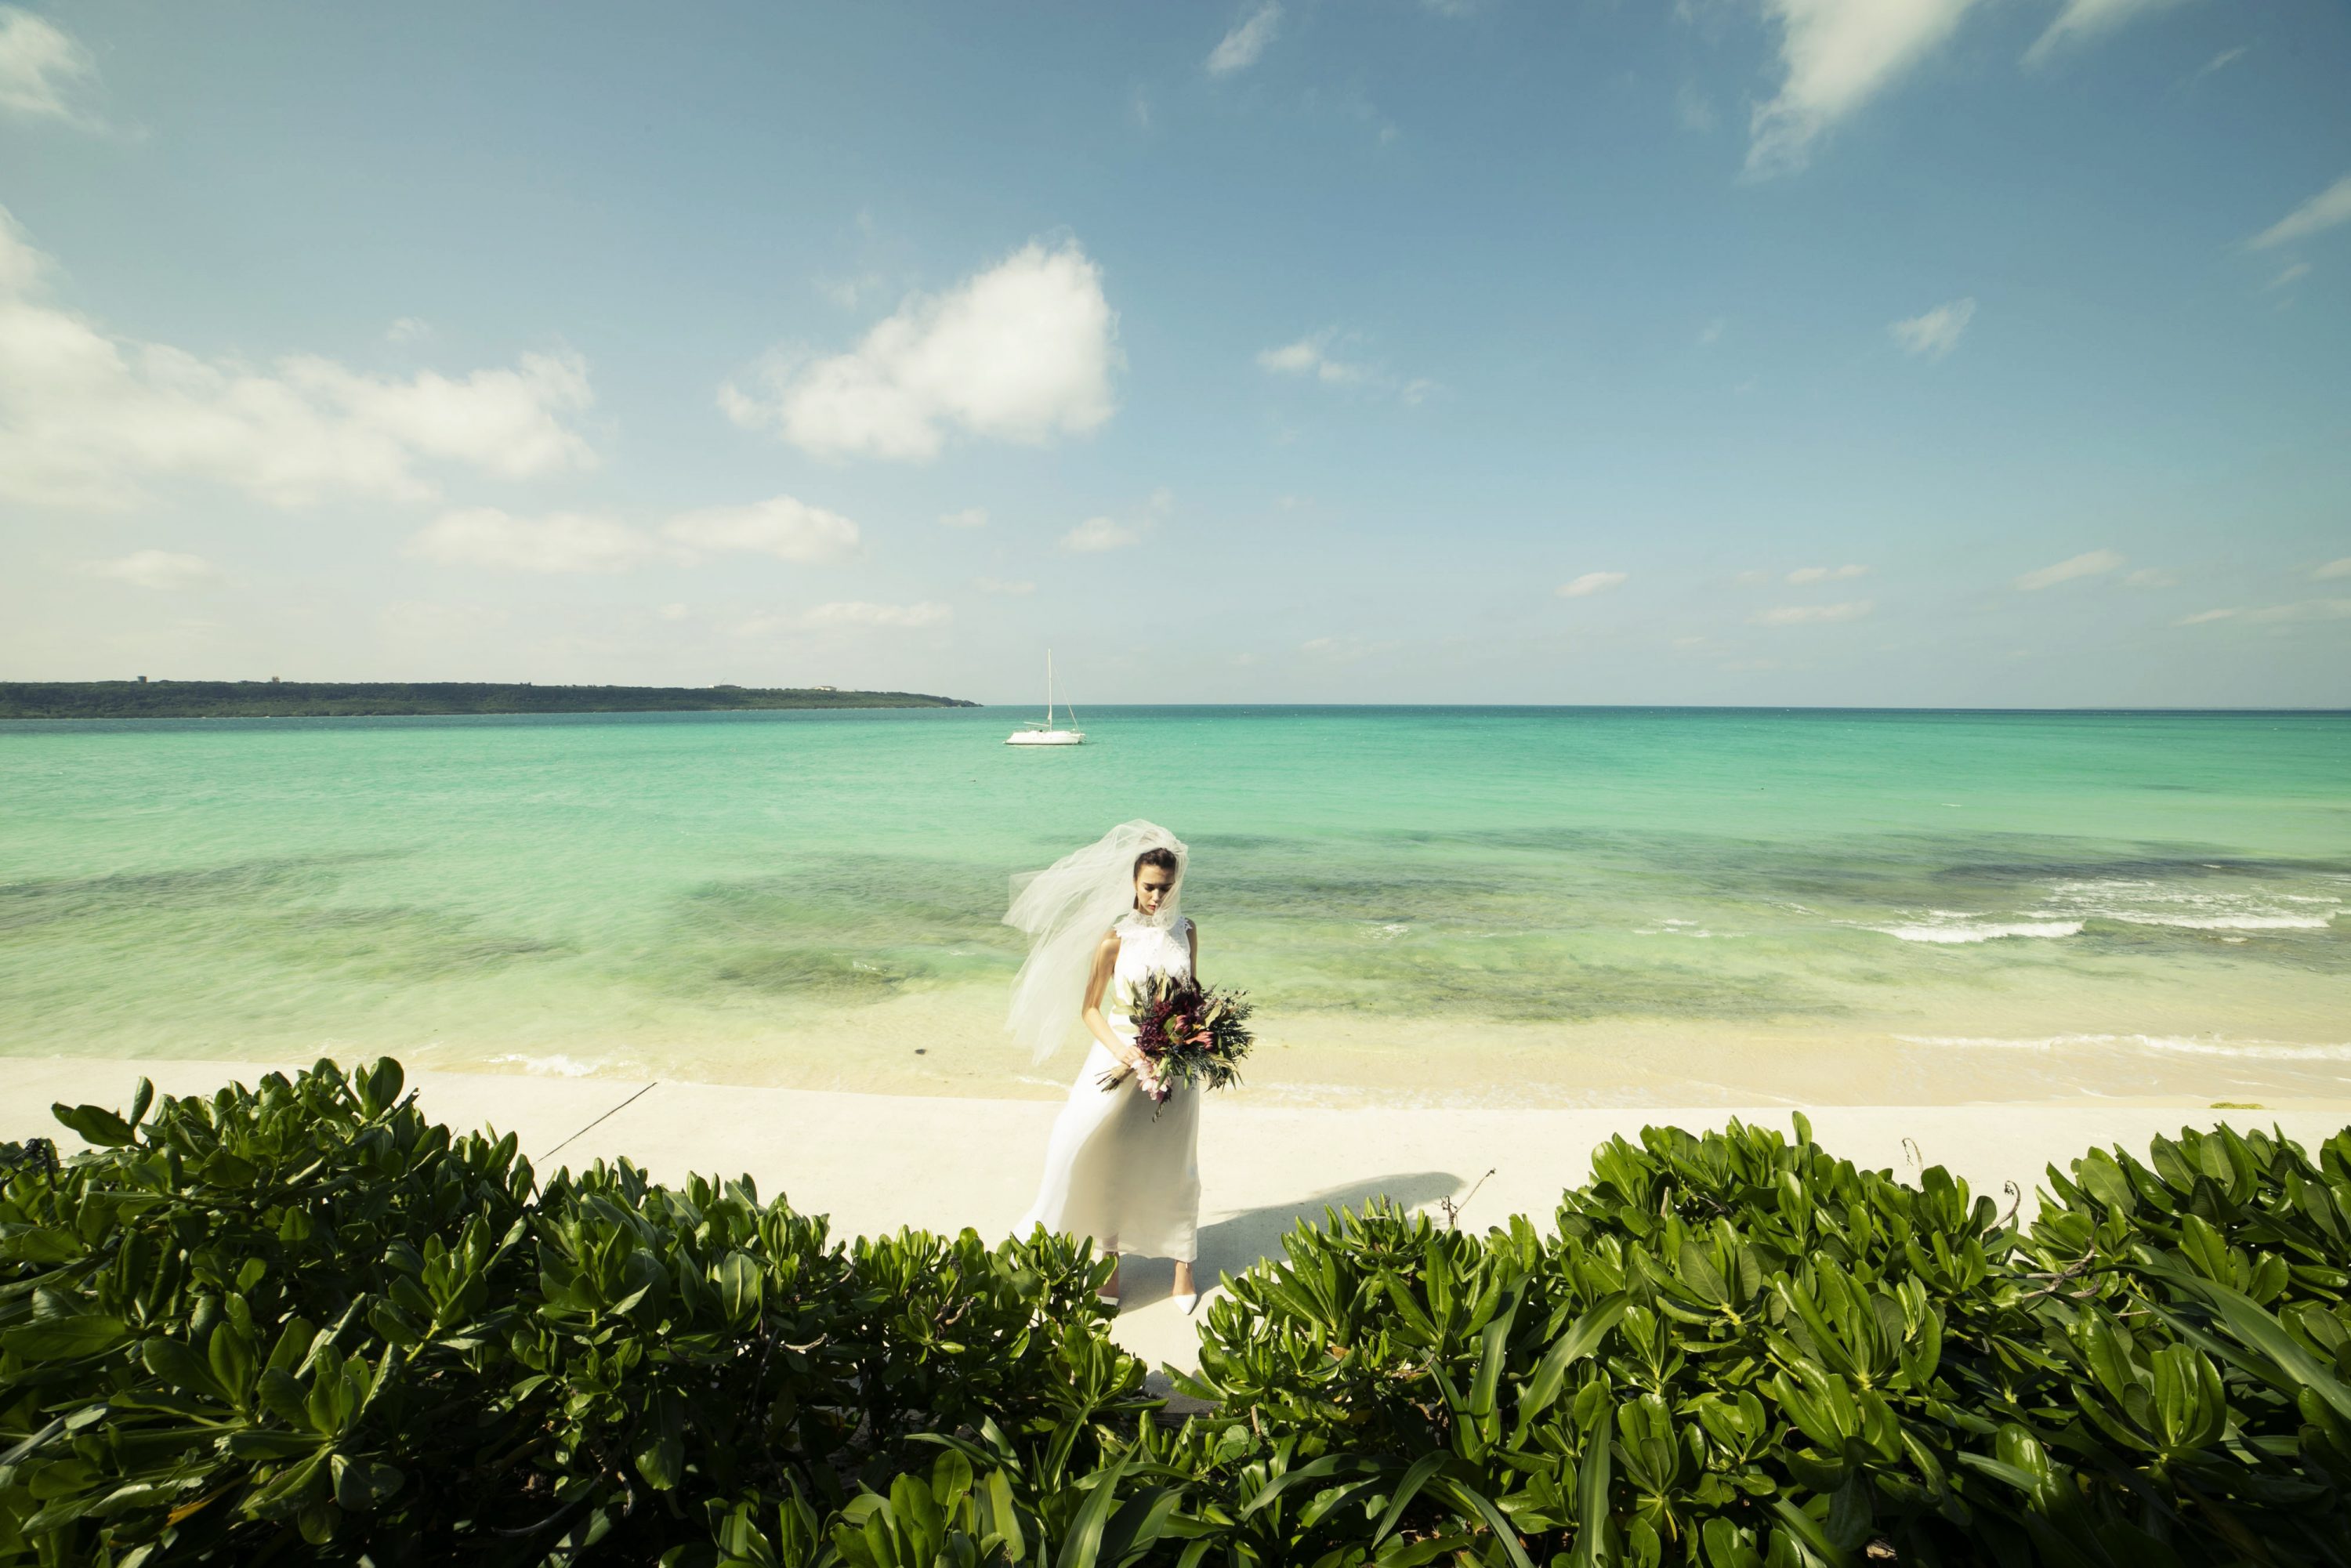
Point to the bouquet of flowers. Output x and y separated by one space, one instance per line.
1188 1033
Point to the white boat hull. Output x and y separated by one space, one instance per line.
1047 737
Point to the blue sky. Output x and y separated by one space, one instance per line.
1985 352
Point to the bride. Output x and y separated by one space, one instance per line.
1100 923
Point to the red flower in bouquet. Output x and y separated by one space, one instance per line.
1188 1034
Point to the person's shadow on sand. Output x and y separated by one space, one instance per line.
1230 1245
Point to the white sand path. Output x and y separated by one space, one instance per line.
876 1161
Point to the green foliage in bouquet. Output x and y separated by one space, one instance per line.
301 1324
1194 1035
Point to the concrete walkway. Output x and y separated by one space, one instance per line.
877 1162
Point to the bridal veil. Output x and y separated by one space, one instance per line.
1067 909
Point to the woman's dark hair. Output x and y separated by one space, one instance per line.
1164 859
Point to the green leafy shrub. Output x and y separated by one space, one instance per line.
301 1320
300 1323
1740 1349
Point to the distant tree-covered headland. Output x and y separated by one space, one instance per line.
323 699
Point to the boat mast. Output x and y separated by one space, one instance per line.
1049 688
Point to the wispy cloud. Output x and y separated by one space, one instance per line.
2331 569
1803 574
2091 563
2152 577
1022 352
1096 536
858 613
1835 56
45 71
1934 333
1240 48
1712 333
157 569
2085 19
2290 274
1693 108
1813 614
1310 357
2222 61
969 517
1001 586
2322 211
2300 610
560 543
1593 582
571 542
782 527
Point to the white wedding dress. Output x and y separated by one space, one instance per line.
1113 1171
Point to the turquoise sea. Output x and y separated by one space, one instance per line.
1439 905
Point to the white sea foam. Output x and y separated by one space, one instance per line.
2139 902
2178 1045
555 1066
1986 931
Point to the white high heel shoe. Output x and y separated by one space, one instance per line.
1186 1303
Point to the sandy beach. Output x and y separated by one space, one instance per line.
876 1161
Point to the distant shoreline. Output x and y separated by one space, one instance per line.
374 699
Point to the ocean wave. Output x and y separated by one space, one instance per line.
555 1066
2218 922
1987 931
2139 902
2179 1045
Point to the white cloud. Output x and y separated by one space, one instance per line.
1813 614
2082 19
671 612
851 292
2152 577
969 517
1310 357
157 569
1827 573
1023 351
781 526
997 585
2288 274
86 417
2333 569
559 542
1838 55
2300 610
2222 61
1937 332
2092 563
437 626
857 612
1712 333
1593 582
408 330
45 72
1693 108
1096 535
1240 48
2322 211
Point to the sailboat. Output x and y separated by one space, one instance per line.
1045 734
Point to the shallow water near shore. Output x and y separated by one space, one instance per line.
1462 905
